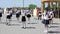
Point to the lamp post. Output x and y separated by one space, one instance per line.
23 3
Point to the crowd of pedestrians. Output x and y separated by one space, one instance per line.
46 17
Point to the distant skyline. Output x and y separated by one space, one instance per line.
19 3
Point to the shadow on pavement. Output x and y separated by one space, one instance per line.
53 31
14 25
3 22
53 26
55 23
32 23
29 28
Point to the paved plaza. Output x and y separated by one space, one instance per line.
33 27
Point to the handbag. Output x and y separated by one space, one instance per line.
43 21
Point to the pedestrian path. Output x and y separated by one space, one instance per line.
55 27
34 27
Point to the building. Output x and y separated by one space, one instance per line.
50 2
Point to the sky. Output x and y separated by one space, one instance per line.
18 3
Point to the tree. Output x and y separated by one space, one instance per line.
54 6
47 8
32 6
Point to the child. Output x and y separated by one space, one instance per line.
17 15
0 14
9 15
39 16
23 19
28 16
46 20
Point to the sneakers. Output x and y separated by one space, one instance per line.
24 27
8 24
49 26
45 31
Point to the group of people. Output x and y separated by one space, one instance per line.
46 20
18 13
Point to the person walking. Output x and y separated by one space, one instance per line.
51 14
45 20
28 16
8 18
23 19
39 15
18 13
0 14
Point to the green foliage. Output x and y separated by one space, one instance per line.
54 6
32 6
47 8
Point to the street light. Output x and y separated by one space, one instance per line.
23 3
